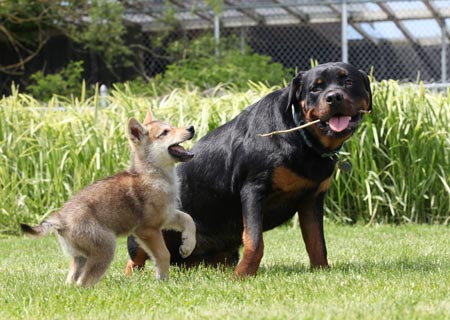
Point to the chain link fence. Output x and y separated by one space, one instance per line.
403 40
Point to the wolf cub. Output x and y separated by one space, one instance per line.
141 201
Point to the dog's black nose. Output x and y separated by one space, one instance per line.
334 97
191 129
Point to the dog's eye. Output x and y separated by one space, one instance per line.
348 82
164 133
316 89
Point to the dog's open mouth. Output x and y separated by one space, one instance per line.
180 153
340 123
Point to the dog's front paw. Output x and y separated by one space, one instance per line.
187 247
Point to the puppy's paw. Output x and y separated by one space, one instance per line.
162 274
187 247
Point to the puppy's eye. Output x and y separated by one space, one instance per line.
316 89
164 133
348 82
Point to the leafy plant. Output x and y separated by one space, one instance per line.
202 66
230 67
197 66
141 87
66 82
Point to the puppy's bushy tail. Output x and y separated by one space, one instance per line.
43 229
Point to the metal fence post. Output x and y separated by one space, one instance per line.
242 36
103 95
217 33
443 52
344 39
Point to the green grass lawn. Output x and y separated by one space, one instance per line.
383 272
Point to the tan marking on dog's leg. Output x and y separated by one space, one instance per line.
312 232
253 253
314 245
152 241
138 261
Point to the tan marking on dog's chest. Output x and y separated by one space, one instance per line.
288 181
324 186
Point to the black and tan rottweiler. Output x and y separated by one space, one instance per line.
240 184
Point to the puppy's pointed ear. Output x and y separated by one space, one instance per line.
149 117
136 131
295 91
367 87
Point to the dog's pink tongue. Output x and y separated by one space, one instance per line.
339 123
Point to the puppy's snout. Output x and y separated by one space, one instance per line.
191 130
334 97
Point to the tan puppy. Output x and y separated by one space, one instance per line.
140 201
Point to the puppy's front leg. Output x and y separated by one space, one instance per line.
183 222
252 235
152 241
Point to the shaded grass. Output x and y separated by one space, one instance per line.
381 272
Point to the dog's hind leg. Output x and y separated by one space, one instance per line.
98 260
138 256
152 241
183 222
252 235
76 266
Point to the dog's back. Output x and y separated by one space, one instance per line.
122 202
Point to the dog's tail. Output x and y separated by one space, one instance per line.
43 229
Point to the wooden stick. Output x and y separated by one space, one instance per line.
289 130
299 127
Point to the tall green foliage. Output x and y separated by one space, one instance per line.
400 155
401 160
202 66
196 65
66 82
231 67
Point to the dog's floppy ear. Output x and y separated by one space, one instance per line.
367 86
136 131
149 117
295 89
